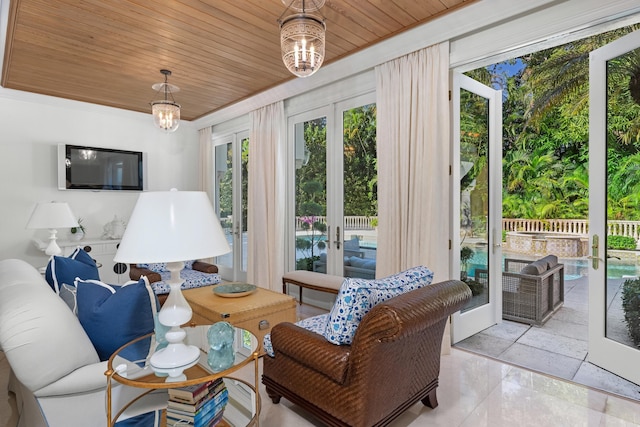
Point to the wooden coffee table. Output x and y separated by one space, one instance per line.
257 312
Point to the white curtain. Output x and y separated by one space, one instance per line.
205 168
413 162
266 204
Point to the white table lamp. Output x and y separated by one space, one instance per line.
173 227
52 215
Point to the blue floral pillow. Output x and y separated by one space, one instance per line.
357 296
158 267
161 267
113 315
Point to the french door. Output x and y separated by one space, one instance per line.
230 202
334 203
609 343
477 202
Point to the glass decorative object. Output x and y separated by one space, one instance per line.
221 355
160 332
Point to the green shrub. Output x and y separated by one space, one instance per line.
621 242
476 287
631 307
466 253
306 263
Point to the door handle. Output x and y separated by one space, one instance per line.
497 242
328 237
595 258
337 241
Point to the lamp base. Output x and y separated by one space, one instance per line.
177 356
53 248
174 359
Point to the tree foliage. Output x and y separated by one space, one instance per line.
546 131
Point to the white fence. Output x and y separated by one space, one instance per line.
350 222
559 226
571 226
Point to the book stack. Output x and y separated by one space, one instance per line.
199 405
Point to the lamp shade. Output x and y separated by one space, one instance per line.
52 215
172 226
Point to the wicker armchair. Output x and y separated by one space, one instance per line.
531 291
393 362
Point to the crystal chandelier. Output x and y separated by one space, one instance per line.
302 37
166 113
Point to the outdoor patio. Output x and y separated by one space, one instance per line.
560 346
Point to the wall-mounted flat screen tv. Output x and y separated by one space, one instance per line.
94 168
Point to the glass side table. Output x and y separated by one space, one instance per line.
243 407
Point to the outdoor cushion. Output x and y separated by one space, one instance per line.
357 296
535 268
358 262
551 261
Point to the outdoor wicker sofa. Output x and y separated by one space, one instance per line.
531 291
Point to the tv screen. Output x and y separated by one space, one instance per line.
93 168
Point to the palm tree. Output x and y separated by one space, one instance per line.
560 76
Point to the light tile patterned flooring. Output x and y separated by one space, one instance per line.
474 391
559 347
477 391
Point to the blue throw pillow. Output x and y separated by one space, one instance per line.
113 315
64 270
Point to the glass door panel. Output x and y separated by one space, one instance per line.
477 203
310 189
474 196
224 203
614 307
231 157
360 191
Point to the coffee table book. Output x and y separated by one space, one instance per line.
178 403
191 393
208 409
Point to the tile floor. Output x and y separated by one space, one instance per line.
558 348
474 391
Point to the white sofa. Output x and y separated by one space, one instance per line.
56 374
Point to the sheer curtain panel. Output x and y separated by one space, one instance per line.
266 204
205 168
413 162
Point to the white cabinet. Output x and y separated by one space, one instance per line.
102 251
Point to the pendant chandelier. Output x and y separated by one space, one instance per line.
166 113
302 37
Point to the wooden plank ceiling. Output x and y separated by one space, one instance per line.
110 52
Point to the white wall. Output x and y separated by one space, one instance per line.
31 126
